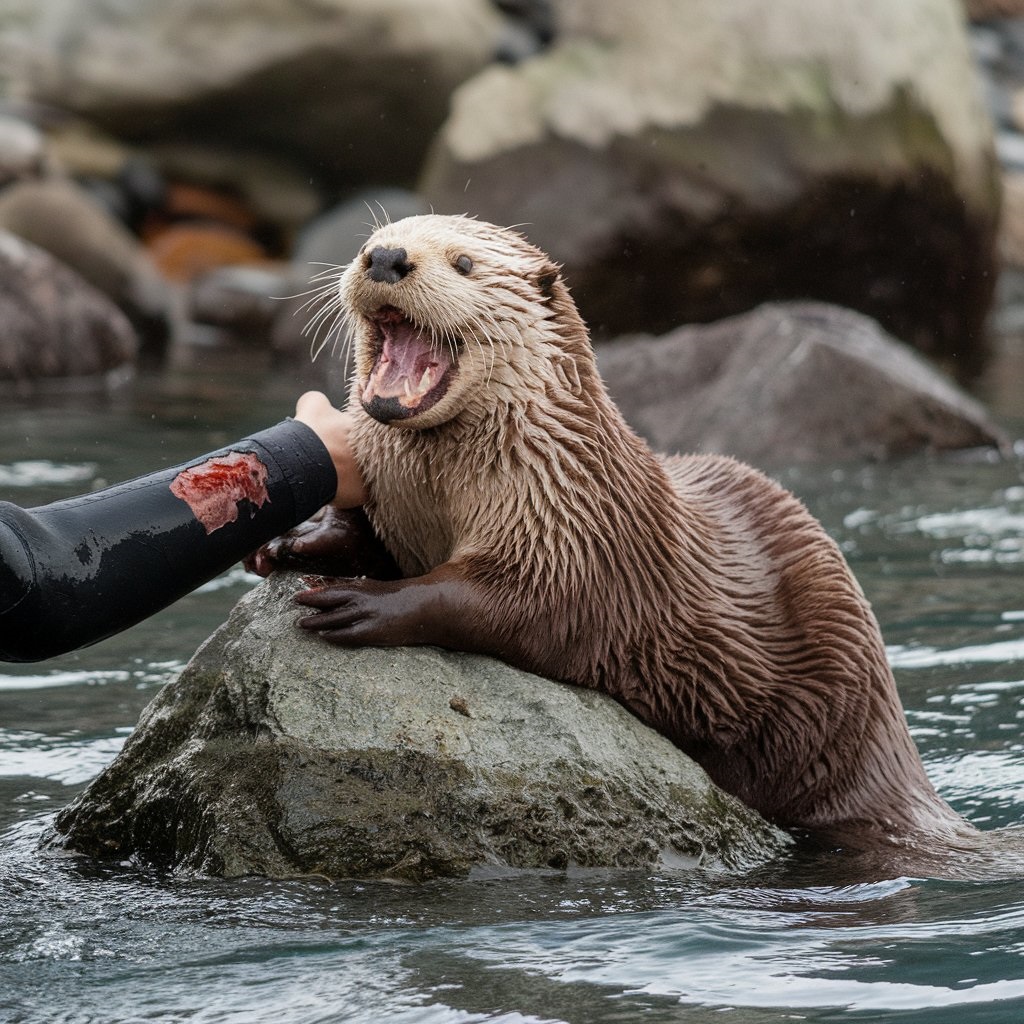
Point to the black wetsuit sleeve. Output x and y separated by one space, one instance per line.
80 570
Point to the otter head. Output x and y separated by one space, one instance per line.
440 307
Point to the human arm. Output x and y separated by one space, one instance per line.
339 541
76 571
332 427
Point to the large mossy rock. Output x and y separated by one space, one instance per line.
687 161
276 754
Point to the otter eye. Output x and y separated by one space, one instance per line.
463 265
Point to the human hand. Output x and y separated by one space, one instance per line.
332 426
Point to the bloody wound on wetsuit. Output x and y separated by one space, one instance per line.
80 570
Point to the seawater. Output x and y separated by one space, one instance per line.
938 545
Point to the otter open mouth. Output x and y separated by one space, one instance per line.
410 373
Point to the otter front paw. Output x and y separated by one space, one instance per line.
367 612
336 542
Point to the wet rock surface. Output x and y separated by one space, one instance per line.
244 300
276 754
789 383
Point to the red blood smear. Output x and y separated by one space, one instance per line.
213 488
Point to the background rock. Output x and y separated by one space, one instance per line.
688 161
685 161
276 754
353 89
60 217
54 323
242 300
789 383
184 252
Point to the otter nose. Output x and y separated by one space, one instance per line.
388 265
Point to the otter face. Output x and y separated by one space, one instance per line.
439 306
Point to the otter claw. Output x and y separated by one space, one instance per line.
314 581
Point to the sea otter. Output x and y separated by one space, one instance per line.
526 520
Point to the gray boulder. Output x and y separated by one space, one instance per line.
61 217
351 88
276 754
789 383
55 324
687 161
241 300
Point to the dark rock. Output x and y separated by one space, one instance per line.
54 323
529 28
789 383
688 161
130 195
276 754
241 300
144 187
62 218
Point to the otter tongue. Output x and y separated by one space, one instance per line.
408 368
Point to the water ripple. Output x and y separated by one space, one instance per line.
63 677
42 473
68 760
915 656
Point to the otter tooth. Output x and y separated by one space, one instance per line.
425 380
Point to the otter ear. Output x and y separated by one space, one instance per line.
546 277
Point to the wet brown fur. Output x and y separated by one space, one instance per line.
533 524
